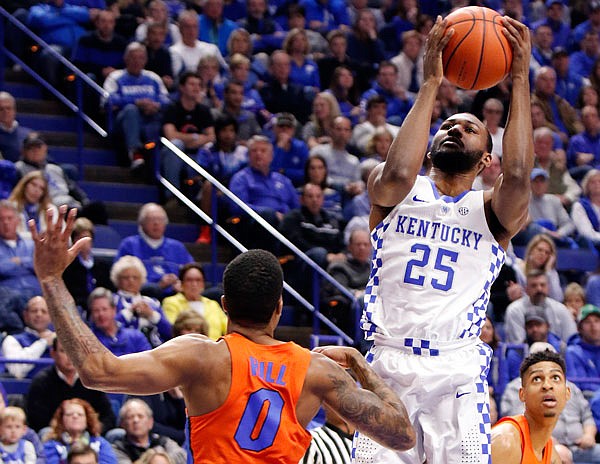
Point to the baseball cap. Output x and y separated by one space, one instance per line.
285 119
33 140
535 317
538 172
588 310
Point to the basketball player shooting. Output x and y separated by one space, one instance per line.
438 248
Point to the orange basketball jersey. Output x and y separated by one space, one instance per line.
526 448
257 422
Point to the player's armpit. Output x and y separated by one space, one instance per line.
374 410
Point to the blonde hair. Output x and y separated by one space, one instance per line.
14 413
189 320
150 454
574 290
334 111
17 196
289 38
533 243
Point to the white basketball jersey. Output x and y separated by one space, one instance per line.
434 262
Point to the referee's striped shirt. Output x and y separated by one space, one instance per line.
329 445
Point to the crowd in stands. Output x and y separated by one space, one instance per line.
290 105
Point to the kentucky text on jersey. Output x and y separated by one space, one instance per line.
265 371
437 231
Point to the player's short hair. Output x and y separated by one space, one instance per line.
252 286
539 357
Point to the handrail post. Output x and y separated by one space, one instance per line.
79 97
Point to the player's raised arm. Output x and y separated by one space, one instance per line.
147 372
510 198
375 410
391 181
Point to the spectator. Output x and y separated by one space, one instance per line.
591 24
409 62
557 110
337 56
451 100
186 53
60 25
489 175
583 352
493 109
323 16
267 35
82 454
113 335
376 107
496 377
161 255
32 199
584 148
136 418
317 172
51 386
582 61
138 96
158 13
303 70
190 298
12 134
537 301
169 413
296 19
318 130
159 58
280 94
352 273
554 19
76 421
155 456
560 182
546 211
232 106
241 42
214 27
364 47
290 154
189 321
405 18
100 52
239 71
344 172
541 52
14 447
210 81
574 298
188 125
386 85
568 84
586 212
345 91
268 193
540 254
312 229
87 271
62 189
33 343
360 205
16 255
379 144
134 310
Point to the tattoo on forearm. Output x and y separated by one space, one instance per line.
390 426
75 336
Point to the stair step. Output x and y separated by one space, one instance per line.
67 139
36 106
118 174
91 156
300 335
22 90
49 122
113 191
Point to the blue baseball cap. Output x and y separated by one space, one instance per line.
539 172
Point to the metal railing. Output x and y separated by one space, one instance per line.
80 78
317 270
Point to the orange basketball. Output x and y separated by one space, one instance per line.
478 55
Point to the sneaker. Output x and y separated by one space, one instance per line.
204 237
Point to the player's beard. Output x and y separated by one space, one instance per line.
455 162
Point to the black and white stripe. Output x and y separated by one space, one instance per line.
329 445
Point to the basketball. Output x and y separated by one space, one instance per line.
478 55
